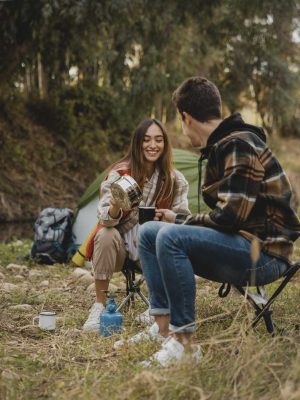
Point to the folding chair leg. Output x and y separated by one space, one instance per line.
267 316
145 300
131 297
135 289
263 310
125 301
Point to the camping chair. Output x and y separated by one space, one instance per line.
259 301
130 268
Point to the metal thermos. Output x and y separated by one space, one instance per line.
110 320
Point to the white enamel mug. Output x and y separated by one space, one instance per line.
47 320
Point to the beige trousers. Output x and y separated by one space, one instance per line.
109 253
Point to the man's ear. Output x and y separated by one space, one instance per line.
187 118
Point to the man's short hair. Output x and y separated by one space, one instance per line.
198 97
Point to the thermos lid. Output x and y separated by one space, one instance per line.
126 192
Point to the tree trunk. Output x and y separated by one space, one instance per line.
27 81
158 107
40 76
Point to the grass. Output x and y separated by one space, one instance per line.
69 364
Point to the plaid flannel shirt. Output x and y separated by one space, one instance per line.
249 193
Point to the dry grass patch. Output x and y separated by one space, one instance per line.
69 364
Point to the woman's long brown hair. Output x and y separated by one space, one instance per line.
166 181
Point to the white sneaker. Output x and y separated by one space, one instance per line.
172 351
145 318
93 321
150 333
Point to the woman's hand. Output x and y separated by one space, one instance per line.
164 215
114 209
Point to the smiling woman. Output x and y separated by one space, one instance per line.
149 162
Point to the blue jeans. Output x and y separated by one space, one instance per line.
171 254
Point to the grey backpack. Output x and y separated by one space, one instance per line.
53 236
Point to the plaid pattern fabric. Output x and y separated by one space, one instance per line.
248 192
180 202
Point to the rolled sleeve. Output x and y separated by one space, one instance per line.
105 219
104 203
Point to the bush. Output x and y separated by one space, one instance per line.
86 116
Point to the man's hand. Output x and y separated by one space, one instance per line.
114 209
164 215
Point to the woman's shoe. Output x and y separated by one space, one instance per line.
93 321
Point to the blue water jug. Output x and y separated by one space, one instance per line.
110 320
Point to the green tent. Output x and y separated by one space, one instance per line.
185 161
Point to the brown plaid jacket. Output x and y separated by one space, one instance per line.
249 193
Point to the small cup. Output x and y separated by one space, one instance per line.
47 320
146 214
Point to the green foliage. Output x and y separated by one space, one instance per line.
11 112
90 119
141 50
58 118
261 61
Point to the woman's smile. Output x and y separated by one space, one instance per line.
153 144
152 152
